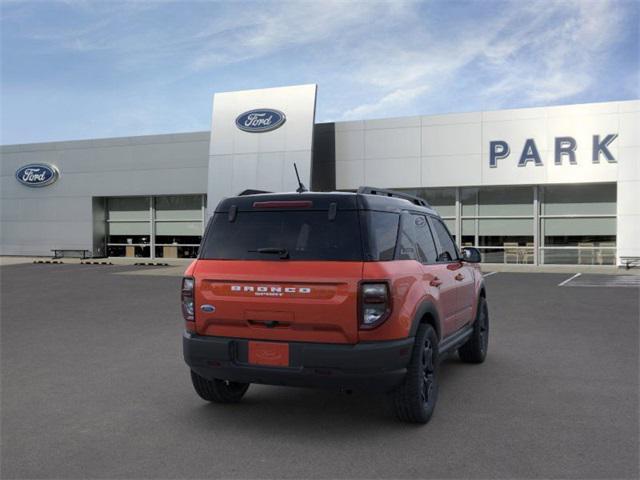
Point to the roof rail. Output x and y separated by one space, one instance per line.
250 191
391 193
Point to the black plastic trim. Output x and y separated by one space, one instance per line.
455 340
430 308
369 366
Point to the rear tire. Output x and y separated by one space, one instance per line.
218 391
475 349
415 399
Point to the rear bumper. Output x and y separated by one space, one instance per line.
372 366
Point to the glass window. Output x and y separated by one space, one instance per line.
178 225
179 207
424 240
178 228
304 235
129 228
505 227
443 200
505 201
513 238
469 201
579 227
581 239
407 239
451 225
468 233
447 251
128 208
129 239
594 240
605 254
591 199
383 228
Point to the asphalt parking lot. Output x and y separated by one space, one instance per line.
94 386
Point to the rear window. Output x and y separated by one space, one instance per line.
383 233
304 235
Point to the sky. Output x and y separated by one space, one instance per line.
79 69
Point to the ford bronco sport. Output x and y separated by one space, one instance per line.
355 291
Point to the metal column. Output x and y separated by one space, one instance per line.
536 226
458 221
152 237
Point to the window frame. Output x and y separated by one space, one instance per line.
429 232
432 219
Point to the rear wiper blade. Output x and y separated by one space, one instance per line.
283 252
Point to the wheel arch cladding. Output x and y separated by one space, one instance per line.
428 314
482 291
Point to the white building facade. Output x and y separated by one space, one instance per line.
553 185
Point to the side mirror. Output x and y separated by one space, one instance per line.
471 255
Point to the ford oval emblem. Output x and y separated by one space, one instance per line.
260 120
208 308
37 175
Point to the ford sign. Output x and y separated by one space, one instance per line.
37 175
260 120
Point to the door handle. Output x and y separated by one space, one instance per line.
459 277
436 282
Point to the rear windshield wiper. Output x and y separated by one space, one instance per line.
283 252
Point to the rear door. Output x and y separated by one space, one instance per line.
437 276
460 274
280 274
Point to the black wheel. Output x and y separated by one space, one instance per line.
219 391
475 349
415 399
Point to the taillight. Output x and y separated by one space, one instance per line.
187 299
375 304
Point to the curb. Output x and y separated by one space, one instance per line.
95 263
49 261
151 264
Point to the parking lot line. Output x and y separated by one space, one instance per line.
489 274
561 284
617 281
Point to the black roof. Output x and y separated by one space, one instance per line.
322 201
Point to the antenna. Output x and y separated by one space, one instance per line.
301 188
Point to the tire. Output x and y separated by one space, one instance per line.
475 349
415 399
218 391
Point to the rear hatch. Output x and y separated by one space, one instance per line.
283 270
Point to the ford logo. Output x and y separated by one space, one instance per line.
260 120
37 175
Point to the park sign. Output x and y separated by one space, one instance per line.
564 147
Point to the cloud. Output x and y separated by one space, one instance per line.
389 102
533 53
258 32
370 58
555 56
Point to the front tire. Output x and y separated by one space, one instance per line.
475 349
416 398
218 391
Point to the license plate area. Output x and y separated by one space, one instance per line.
269 354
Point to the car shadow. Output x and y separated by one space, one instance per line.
285 411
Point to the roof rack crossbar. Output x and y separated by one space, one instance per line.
392 193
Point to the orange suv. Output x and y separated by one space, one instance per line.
355 291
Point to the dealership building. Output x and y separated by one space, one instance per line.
552 185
